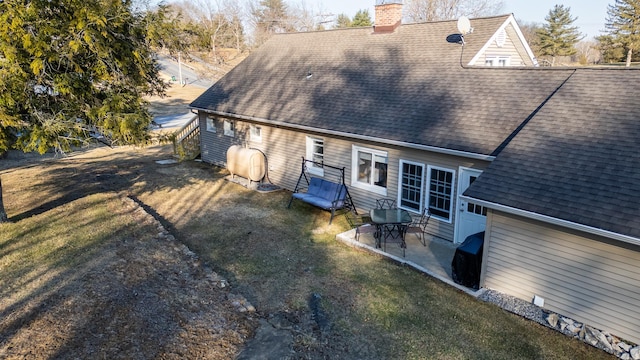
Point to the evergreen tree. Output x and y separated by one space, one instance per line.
623 25
71 70
361 18
343 21
558 36
610 49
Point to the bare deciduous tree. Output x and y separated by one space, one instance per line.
217 23
588 52
432 10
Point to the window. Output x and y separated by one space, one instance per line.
315 152
369 169
441 192
411 181
497 61
211 124
255 133
229 128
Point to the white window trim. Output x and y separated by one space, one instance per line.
211 124
255 136
311 168
428 192
354 170
229 128
423 189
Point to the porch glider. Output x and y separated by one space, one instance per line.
320 192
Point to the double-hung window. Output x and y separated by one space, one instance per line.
229 128
255 133
440 192
315 152
369 169
411 185
211 123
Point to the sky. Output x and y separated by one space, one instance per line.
591 14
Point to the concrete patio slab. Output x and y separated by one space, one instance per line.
434 259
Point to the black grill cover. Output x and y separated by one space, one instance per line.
467 261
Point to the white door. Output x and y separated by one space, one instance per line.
472 218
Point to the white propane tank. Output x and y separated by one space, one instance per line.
248 163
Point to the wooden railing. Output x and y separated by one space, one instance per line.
186 142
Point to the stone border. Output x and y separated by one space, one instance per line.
239 302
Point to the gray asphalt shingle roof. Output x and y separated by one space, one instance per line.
578 159
406 86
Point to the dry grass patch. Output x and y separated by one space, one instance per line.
278 258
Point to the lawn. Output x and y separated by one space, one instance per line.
277 258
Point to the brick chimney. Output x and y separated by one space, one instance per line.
388 15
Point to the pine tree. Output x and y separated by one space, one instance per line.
71 70
361 18
343 21
623 25
557 36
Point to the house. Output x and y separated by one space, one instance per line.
563 210
540 159
400 104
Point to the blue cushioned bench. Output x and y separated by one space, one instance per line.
324 194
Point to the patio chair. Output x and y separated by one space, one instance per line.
395 235
362 224
385 204
419 226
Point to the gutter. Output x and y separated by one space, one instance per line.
554 221
444 151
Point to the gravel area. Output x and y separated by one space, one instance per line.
515 305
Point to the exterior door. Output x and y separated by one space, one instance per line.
471 218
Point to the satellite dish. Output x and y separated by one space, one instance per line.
464 25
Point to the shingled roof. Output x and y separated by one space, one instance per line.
578 158
406 87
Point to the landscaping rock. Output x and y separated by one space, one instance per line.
552 319
268 343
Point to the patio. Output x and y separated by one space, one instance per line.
434 259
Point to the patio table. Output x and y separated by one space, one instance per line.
390 223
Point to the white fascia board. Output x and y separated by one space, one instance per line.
554 221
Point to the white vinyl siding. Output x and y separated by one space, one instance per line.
284 149
590 279
512 49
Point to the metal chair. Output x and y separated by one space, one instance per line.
419 226
394 235
385 204
362 224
